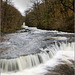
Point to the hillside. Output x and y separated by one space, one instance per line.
52 15
11 18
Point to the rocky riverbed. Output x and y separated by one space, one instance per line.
30 41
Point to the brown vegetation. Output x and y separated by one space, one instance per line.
11 18
52 14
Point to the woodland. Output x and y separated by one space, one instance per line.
47 15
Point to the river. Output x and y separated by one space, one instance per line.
32 51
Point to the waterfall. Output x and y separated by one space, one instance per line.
64 55
26 62
24 26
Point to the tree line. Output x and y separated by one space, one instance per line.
44 14
11 18
52 15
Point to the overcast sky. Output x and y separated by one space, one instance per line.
22 5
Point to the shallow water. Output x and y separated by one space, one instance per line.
30 42
32 51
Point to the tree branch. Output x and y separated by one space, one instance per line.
66 6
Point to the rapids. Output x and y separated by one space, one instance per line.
63 56
31 51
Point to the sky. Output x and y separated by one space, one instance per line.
22 5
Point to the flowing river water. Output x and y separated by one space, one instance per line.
36 52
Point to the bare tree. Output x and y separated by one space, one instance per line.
65 4
36 7
0 19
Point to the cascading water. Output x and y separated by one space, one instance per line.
31 53
24 62
65 53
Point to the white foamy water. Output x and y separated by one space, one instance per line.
29 61
28 42
64 53
35 30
